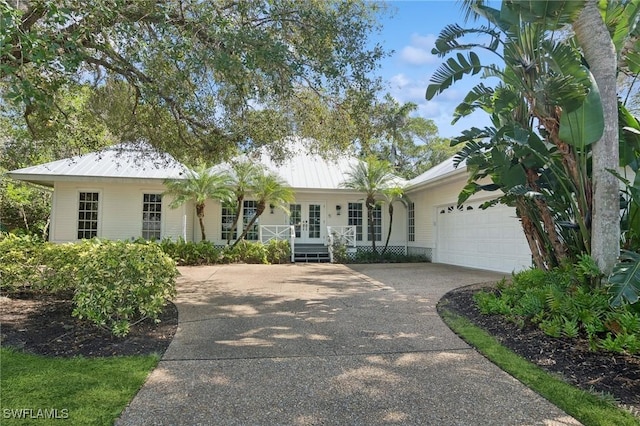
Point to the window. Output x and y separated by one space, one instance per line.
355 218
412 221
295 218
228 215
88 215
249 209
151 216
377 223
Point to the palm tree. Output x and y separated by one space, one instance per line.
243 176
390 196
371 177
199 186
268 190
395 117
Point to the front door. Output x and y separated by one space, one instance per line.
307 219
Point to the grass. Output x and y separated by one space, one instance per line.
586 407
81 390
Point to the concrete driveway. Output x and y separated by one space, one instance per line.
321 344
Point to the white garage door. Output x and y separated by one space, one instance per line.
486 239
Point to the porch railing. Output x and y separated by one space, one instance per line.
340 234
267 233
344 234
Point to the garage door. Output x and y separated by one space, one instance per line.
486 239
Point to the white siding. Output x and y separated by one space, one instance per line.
120 210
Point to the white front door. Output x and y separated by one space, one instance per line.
307 219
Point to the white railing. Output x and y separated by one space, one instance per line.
267 233
342 235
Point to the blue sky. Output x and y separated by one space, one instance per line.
411 32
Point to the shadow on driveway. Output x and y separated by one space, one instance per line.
327 344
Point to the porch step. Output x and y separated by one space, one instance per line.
307 253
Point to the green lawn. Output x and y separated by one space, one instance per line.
85 391
588 408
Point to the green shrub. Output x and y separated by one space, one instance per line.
278 251
371 257
563 303
191 253
60 263
19 261
491 304
121 282
247 252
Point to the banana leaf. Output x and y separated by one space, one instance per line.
624 281
585 125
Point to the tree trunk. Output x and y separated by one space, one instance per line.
372 232
600 54
386 244
558 248
200 214
531 233
259 211
234 225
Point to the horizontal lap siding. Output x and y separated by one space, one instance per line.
120 211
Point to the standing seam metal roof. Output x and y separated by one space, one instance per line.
120 161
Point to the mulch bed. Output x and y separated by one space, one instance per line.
608 373
42 324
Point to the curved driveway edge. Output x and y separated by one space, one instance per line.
322 344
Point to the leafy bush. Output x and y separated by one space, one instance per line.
563 303
191 253
60 263
19 261
247 252
206 253
371 257
121 282
28 262
278 251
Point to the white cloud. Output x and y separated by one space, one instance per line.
418 52
405 89
425 42
429 110
399 81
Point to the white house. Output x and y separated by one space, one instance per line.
116 194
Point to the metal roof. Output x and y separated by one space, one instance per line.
446 168
308 171
125 161
304 170
301 170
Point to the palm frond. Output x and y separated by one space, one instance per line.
473 134
565 60
447 40
624 281
479 97
471 148
451 71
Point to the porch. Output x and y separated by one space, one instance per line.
311 252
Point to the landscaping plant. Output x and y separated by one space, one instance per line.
562 303
120 283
